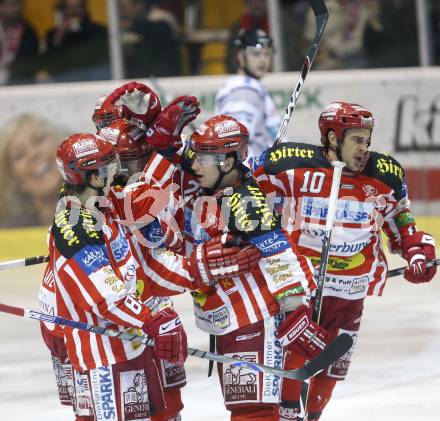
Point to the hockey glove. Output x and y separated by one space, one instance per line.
170 341
215 260
138 102
190 107
302 335
166 129
417 249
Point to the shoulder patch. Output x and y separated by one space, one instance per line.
289 155
249 212
73 230
386 169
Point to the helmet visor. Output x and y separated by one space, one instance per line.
132 166
110 170
210 159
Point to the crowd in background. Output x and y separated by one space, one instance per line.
156 40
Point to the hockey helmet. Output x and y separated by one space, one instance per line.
340 116
253 38
83 152
105 112
129 142
219 136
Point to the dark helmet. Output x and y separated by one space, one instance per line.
252 38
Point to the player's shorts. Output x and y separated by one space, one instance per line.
244 388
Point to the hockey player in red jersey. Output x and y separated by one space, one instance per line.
95 282
372 197
243 312
160 273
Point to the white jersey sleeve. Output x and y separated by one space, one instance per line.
245 99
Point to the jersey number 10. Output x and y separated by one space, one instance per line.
314 183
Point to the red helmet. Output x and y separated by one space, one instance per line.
105 112
221 134
128 139
83 152
339 116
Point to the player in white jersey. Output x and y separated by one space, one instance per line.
244 97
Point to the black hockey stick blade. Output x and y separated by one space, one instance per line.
335 350
321 17
400 271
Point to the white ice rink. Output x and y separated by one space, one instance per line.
395 373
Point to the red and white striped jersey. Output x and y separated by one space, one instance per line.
95 281
160 272
300 177
237 302
47 301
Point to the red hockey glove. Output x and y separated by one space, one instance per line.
169 336
213 260
160 134
417 249
138 102
190 107
302 335
166 129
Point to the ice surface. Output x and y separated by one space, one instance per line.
394 376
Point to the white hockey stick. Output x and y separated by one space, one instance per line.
321 17
28 261
335 350
332 201
326 241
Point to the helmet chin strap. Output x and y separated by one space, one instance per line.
219 180
99 190
222 175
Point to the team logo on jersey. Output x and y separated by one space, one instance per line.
369 190
241 384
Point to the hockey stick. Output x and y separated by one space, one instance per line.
334 192
28 261
400 271
321 17
334 351
316 314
